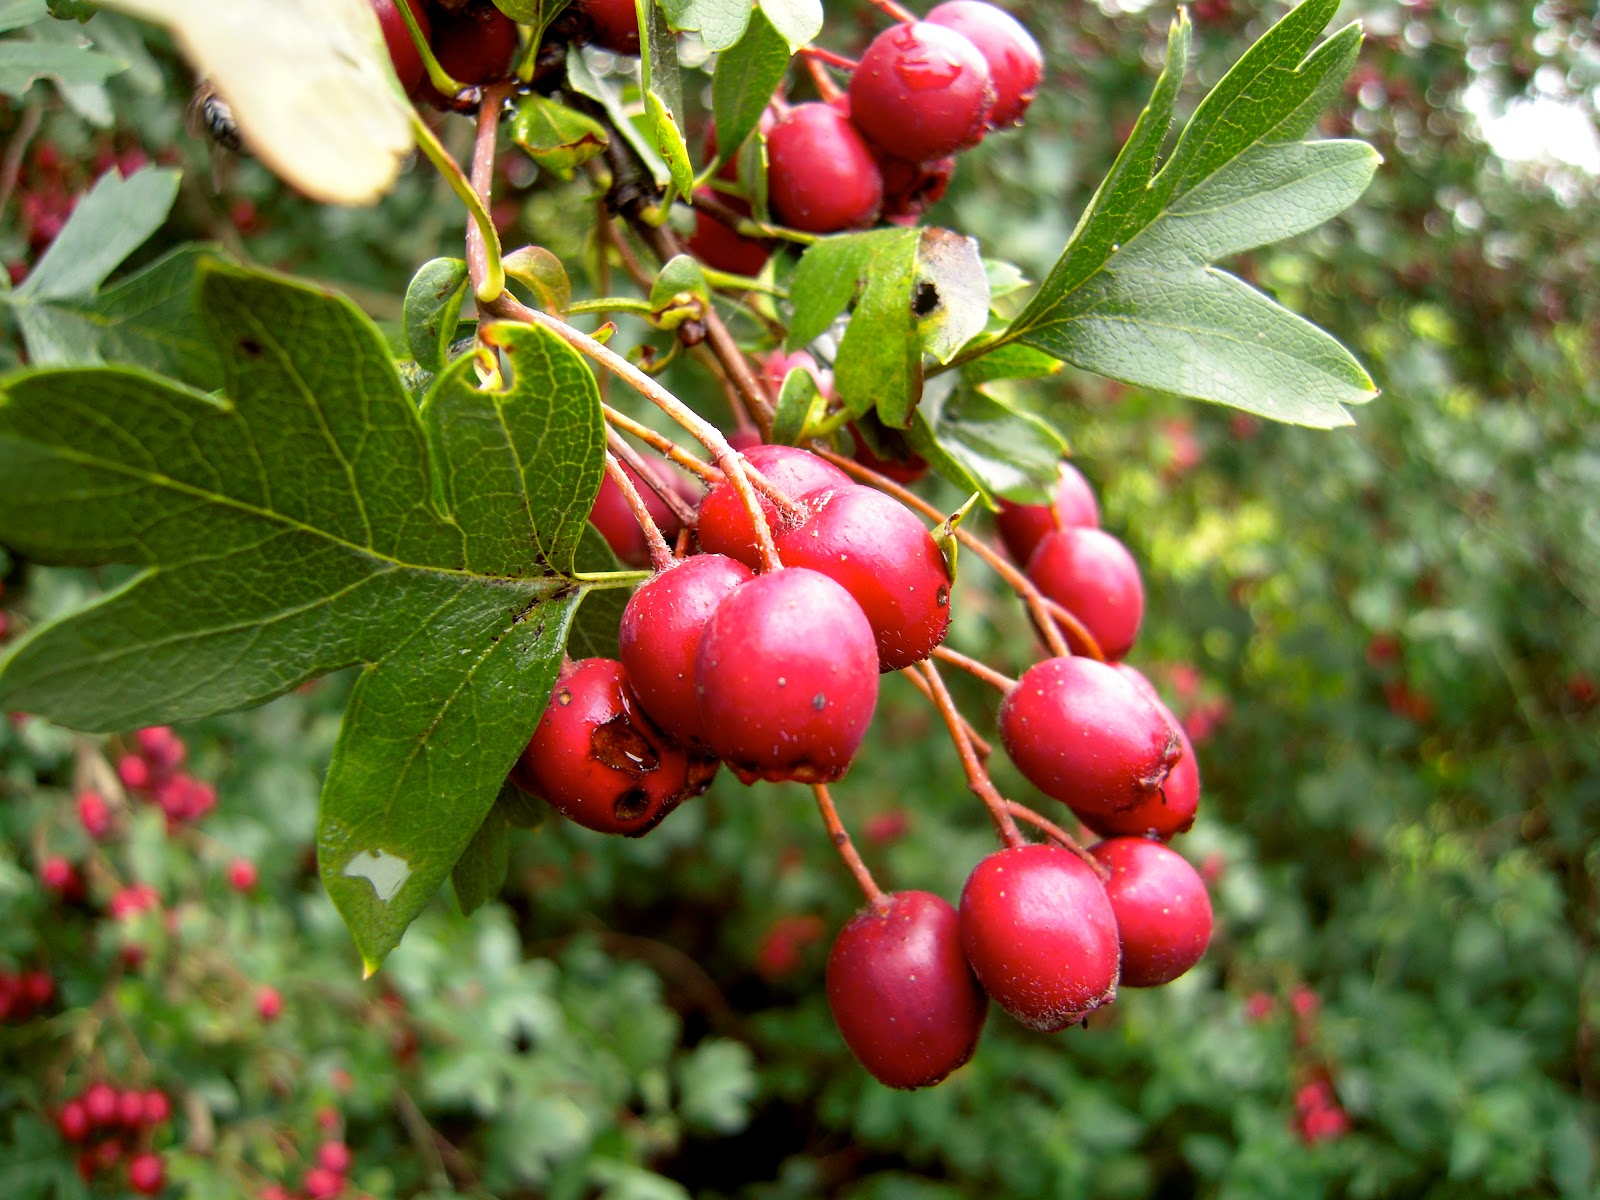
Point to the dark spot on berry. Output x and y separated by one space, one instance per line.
631 805
819 702
618 745
942 596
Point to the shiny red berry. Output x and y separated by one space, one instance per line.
146 1174
724 525
1023 526
1163 912
921 92
901 992
476 44
73 1121
1086 736
883 555
100 1104
1168 811
787 678
723 248
821 177
1014 58
660 633
597 759
1091 574
1040 934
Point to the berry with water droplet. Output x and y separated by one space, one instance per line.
1014 58
921 92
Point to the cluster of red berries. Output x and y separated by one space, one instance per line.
1318 1115
151 770
24 993
327 1178
118 1123
774 672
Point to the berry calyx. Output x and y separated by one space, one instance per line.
821 177
787 678
880 552
901 992
1163 912
921 92
1084 735
1091 574
1014 58
1170 810
723 523
1041 935
660 633
597 759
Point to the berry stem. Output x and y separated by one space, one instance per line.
660 553
976 669
483 243
1047 614
979 745
663 445
978 781
1058 835
818 54
846 848
897 11
437 75
749 226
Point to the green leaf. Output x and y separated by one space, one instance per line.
147 320
977 441
914 291
1134 295
543 274
594 631
718 1084
536 14
663 98
669 143
306 520
1011 361
480 872
745 79
801 405
720 23
22 61
799 21
558 138
110 223
14 14
433 310
679 293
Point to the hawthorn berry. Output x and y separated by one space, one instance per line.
242 875
146 1174
660 632
1041 935
157 1107
1170 810
598 759
476 44
322 1184
786 676
73 1121
130 1109
921 91
723 248
1163 911
1023 526
615 521
1014 58
724 524
269 1003
877 549
94 814
821 177
1084 735
901 992
1091 574
100 1103
335 1157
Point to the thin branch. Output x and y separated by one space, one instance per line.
976 669
660 552
16 149
1058 835
847 848
663 445
978 781
980 747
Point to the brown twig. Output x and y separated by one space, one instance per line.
663 445
660 552
1058 835
980 747
16 149
846 848
976 669
978 781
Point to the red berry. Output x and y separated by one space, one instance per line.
1257 1007
242 875
614 24
1083 734
73 1121
403 52
335 1157
911 188
161 747
1091 574
1040 934
61 877
130 1109
146 1174
94 813
921 91
128 902
321 1183
100 1103
1170 810
476 44
269 1003
660 632
1163 912
1015 61
776 366
722 248
134 772
821 177
157 1108
1024 526
781 946
881 553
38 988
901 993
724 525
787 678
597 758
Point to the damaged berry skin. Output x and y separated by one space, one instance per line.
877 549
1083 734
660 632
787 677
1041 935
901 992
598 759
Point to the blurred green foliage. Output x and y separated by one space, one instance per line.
1384 640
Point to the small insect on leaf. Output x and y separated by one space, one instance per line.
307 83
